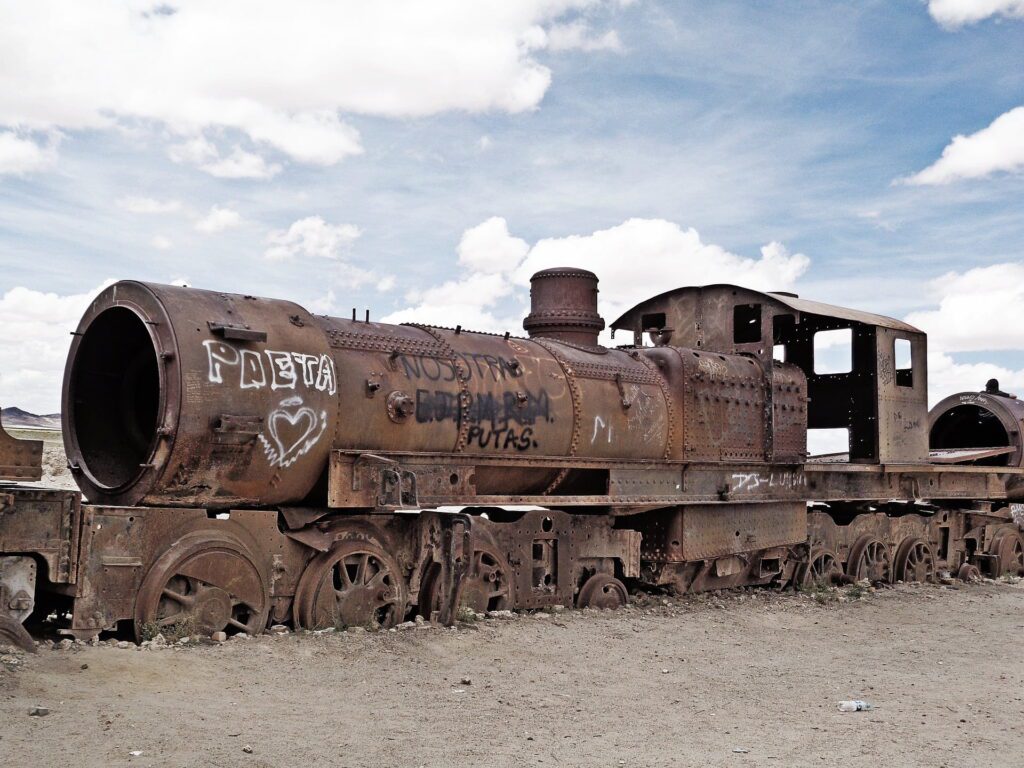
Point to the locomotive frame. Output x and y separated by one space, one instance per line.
696 476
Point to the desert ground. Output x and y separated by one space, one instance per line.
749 678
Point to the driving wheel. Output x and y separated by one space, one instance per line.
869 559
914 561
207 581
355 584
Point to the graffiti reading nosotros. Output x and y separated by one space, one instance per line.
274 368
497 420
487 367
292 429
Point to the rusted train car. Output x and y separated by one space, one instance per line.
244 462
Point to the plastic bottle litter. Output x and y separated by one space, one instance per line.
855 706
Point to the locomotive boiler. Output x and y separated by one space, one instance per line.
245 462
183 397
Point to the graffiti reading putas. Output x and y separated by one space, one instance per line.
282 370
292 429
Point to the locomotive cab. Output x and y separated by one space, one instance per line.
866 373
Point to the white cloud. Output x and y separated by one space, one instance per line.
280 74
577 35
999 147
194 151
148 205
218 219
19 155
979 310
488 247
161 243
946 376
34 345
311 236
241 164
957 13
386 283
624 258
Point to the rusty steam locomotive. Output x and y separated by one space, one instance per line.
245 462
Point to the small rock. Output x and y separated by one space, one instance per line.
219 637
558 609
65 643
85 666
38 712
466 681
159 640
501 615
740 750
185 641
664 671
418 620
542 615
327 631
406 625
247 749
356 630
122 644
240 636
135 752
279 629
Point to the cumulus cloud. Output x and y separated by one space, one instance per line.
34 345
148 205
218 219
20 155
311 236
280 76
958 324
241 164
161 243
997 148
957 13
626 258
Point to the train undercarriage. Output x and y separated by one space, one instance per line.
139 571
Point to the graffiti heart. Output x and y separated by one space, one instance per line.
292 430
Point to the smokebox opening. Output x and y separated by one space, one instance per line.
970 426
115 397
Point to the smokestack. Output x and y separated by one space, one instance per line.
563 306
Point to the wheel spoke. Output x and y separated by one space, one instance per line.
177 597
377 580
342 567
238 625
364 562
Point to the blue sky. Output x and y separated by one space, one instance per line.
791 124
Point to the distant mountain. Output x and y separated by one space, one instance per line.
15 417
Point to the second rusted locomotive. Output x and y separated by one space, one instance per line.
247 462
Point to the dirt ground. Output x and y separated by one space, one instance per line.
741 679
